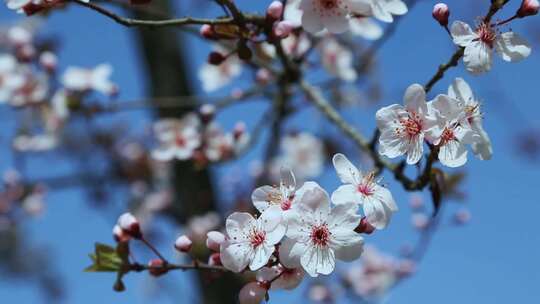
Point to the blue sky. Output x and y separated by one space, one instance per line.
494 259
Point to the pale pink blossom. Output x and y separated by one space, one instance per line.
82 79
317 235
251 242
480 43
214 77
360 189
404 128
177 139
380 9
337 59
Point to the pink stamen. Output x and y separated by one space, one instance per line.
320 235
257 238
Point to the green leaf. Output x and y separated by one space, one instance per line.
107 259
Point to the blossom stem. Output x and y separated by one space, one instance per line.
506 21
169 22
154 249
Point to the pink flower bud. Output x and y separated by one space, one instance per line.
214 259
130 225
207 31
283 29
252 293
157 267
364 227
119 234
216 58
275 10
183 244
48 61
441 12
214 240
528 8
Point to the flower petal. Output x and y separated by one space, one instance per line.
347 172
317 261
346 194
415 99
235 256
477 57
290 253
462 33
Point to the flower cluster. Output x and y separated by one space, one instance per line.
336 16
448 122
198 137
310 232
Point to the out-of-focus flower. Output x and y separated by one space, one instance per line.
377 201
337 59
420 221
177 138
251 241
79 79
304 154
479 45
365 27
252 293
332 15
214 77
10 77
317 235
375 275
380 9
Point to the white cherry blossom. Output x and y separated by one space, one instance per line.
451 135
317 235
403 128
177 138
251 241
82 79
462 92
332 15
337 59
293 13
480 43
214 77
282 196
10 77
304 154
381 9
377 201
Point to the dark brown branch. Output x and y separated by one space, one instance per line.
166 22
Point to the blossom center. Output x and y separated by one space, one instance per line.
257 238
180 141
447 136
412 125
366 187
486 34
329 4
320 235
